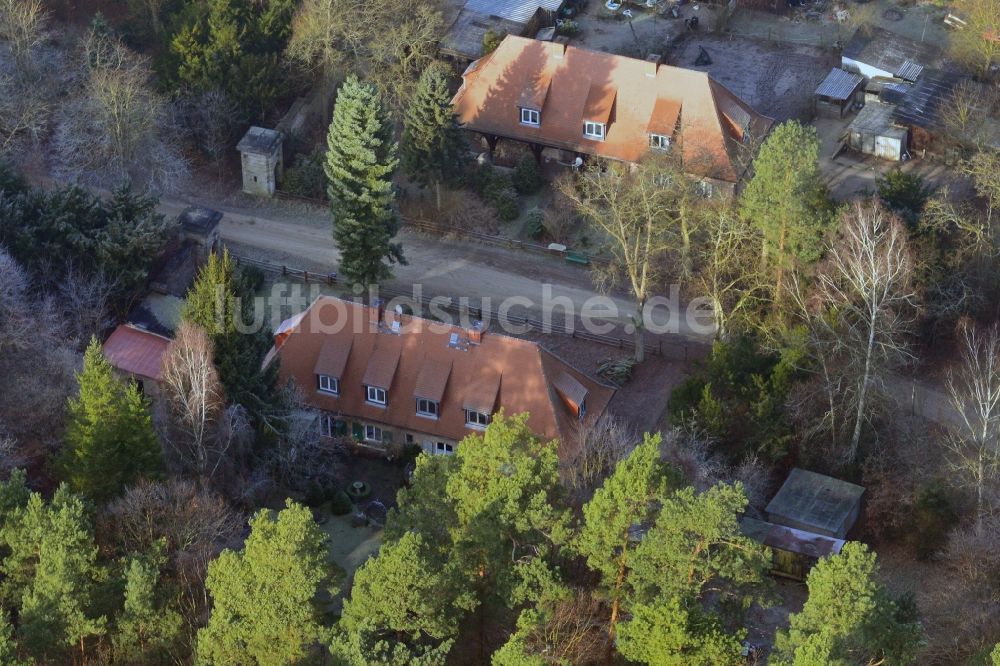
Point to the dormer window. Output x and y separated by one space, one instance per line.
375 395
592 130
530 117
478 420
428 408
659 141
328 384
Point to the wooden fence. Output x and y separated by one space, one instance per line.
427 226
675 348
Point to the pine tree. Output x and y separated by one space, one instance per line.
50 572
211 301
696 544
401 609
677 634
148 629
629 497
787 200
849 618
265 597
110 441
432 141
8 647
360 160
508 502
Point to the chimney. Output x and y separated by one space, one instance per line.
377 312
557 47
476 333
652 64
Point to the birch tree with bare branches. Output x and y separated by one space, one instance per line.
195 400
974 391
868 302
729 270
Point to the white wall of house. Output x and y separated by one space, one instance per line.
867 71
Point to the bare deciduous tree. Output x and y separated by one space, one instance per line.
201 428
600 446
12 456
969 112
974 444
301 456
23 25
642 215
117 129
867 303
209 117
391 42
728 268
977 44
84 302
33 358
195 524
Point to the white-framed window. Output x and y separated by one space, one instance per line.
659 141
328 384
530 117
373 434
375 395
706 189
444 448
427 408
476 419
593 130
331 426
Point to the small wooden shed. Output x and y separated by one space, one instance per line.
793 552
873 132
816 503
837 93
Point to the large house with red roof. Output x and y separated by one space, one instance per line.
567 102
385 380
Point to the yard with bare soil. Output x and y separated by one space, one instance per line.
776 79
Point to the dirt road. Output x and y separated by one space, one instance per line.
440 266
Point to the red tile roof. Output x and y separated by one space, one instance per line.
421 361
136 352
569 85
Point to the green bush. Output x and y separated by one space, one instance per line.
491 40
306 178
526 178
340 503
933 517
739 397
315 494
503 198
568 28
534 222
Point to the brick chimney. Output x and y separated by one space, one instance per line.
476 333
377 311
652 64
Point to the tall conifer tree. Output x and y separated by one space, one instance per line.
265 597
360 161
432 142
110 440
